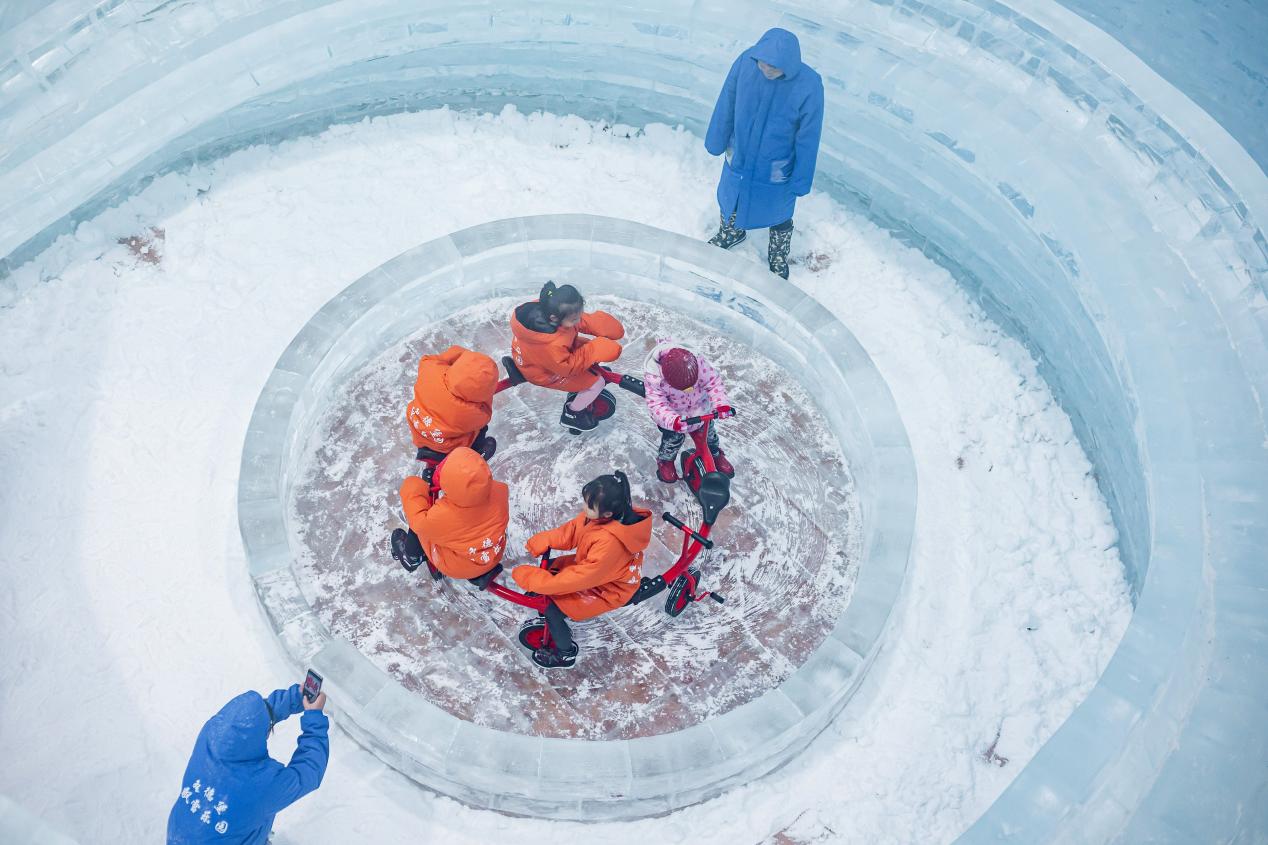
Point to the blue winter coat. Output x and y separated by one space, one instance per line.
772 127
232 788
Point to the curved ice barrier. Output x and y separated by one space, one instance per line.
1095 213
576 778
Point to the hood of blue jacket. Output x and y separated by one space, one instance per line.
239 732
780 48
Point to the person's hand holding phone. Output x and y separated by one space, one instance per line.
313 698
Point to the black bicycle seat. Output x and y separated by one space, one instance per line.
483 581
430 455
713 495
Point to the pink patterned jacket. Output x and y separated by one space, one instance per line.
666 402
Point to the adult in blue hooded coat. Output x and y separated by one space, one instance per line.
768 120
232 788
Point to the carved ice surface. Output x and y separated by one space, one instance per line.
1090 208
659 714
786 555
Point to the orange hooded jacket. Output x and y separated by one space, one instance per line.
453 399
601 576
464 531
559 359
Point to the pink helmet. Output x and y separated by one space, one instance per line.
679 368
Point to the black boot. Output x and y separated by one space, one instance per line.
577 421
407 560
553 658
777 252
728 236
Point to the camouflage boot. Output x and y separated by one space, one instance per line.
728 236
777 253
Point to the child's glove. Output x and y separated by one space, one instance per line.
537 545
724 411
604 349
678 425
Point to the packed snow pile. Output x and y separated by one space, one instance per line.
132 365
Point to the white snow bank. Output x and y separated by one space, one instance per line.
128 379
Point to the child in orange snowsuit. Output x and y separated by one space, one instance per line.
610 536
547 349
462 532
453 403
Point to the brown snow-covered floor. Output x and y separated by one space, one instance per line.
785 560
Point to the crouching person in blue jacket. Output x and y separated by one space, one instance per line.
232 788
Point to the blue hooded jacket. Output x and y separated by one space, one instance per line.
232 788
772 127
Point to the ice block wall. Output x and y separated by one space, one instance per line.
499 765
1093 210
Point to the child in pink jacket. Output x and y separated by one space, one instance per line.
682 384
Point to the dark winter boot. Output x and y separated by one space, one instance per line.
777 253
723 465
553 658
410 562
486 446
666 471
578 421
728 236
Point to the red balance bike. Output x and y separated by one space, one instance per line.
604 404
712 491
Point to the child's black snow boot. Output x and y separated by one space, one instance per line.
553 658
577 421
777 252
408 561
728 236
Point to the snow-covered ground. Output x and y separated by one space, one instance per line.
128 375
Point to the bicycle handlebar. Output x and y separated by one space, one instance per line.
705 417
678 523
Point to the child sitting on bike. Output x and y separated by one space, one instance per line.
681 384
547 349
462 531
453 403
609 536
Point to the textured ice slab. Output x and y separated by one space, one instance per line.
785 558
1093 211
638 729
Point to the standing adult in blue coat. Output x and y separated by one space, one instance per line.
767 121
232 788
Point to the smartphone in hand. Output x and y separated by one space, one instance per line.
312 686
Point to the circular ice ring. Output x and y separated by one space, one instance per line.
587 779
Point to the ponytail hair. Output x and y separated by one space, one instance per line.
611 494
560 302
